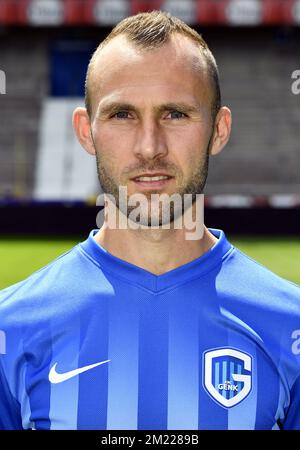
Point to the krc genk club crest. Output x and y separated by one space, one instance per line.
227 374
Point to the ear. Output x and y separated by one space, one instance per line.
222 130
82 127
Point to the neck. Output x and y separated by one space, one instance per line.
155 250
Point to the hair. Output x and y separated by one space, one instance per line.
152 30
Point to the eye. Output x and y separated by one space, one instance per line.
120 115
177 115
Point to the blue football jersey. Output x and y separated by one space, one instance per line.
93 342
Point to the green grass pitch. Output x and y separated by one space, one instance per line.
19 257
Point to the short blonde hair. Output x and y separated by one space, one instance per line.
152 30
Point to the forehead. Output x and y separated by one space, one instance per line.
175 69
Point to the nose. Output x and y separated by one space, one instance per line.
150 142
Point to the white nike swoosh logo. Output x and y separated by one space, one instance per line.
55 377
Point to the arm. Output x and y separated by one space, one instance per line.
292 420
10 411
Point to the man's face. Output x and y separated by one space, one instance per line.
151 118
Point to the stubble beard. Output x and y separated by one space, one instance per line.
194 186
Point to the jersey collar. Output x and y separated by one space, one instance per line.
156 283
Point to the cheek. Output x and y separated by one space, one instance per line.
114 140
188 147
194 135
113 153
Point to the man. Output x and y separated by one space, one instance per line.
140 326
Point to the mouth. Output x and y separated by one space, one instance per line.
152 181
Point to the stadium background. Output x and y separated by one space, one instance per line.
48 184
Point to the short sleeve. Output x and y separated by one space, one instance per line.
10 411
292 420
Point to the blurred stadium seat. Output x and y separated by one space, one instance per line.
63 170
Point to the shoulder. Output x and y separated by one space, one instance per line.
259 285
35 297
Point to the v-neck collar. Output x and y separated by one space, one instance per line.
148 280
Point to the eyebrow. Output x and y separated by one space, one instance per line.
114 107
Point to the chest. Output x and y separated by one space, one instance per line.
153 367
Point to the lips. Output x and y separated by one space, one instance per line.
150 177
152 180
